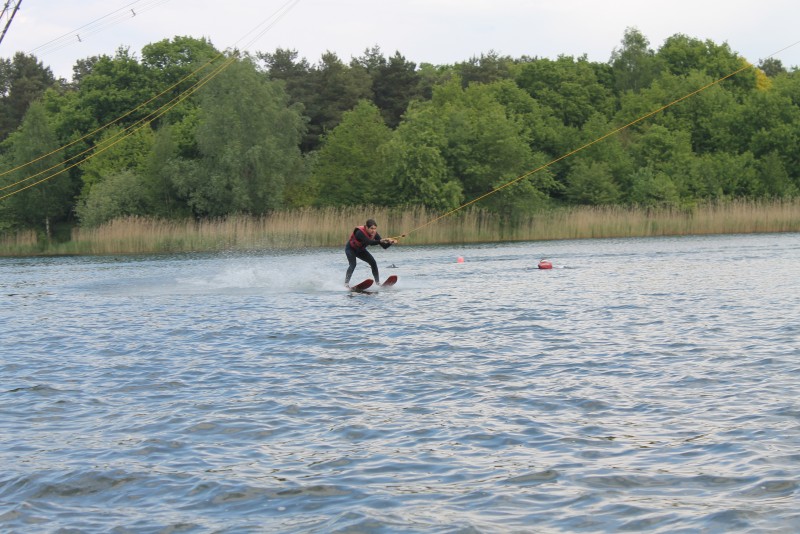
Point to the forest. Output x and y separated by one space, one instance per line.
185 131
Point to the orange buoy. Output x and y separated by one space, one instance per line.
460 260
545 264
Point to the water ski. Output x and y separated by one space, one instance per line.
389 282
363 285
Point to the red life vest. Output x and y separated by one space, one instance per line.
355 243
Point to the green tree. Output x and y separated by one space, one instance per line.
420 177
112 176
395 83
32 149
117 150
23 80
349 168
543 131
483 147
284 65
766 121
600 173
724 176
634 64
81 69
788 86
708 176
178 64
115 87
431 76
669 157
171 60
487 68
698 116
653 188
418 172
70 122
592 183
118 195
611 150
157 171
247 137
772 67
681 55
774 180
372 60
568 86
333 88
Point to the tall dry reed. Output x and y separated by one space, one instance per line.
329 227
19 243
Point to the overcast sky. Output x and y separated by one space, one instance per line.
59 32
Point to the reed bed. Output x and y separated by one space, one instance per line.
329 227
20 243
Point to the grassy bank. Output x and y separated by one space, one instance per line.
330 227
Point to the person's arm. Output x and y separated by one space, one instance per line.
366 240
385 243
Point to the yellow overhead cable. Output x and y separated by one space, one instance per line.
277 15
587 145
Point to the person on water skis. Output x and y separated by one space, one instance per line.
356 247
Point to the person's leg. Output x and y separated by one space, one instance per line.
367 257
351 258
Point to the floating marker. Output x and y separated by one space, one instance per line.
460 260
544 264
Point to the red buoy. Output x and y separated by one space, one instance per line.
544 264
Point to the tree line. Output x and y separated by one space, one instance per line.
130 135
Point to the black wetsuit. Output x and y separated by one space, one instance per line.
363 254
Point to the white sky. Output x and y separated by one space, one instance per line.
430 31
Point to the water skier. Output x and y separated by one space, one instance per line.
356 247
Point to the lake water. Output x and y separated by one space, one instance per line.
640 385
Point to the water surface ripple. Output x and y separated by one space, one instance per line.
640 385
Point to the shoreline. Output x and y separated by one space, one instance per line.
329 227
